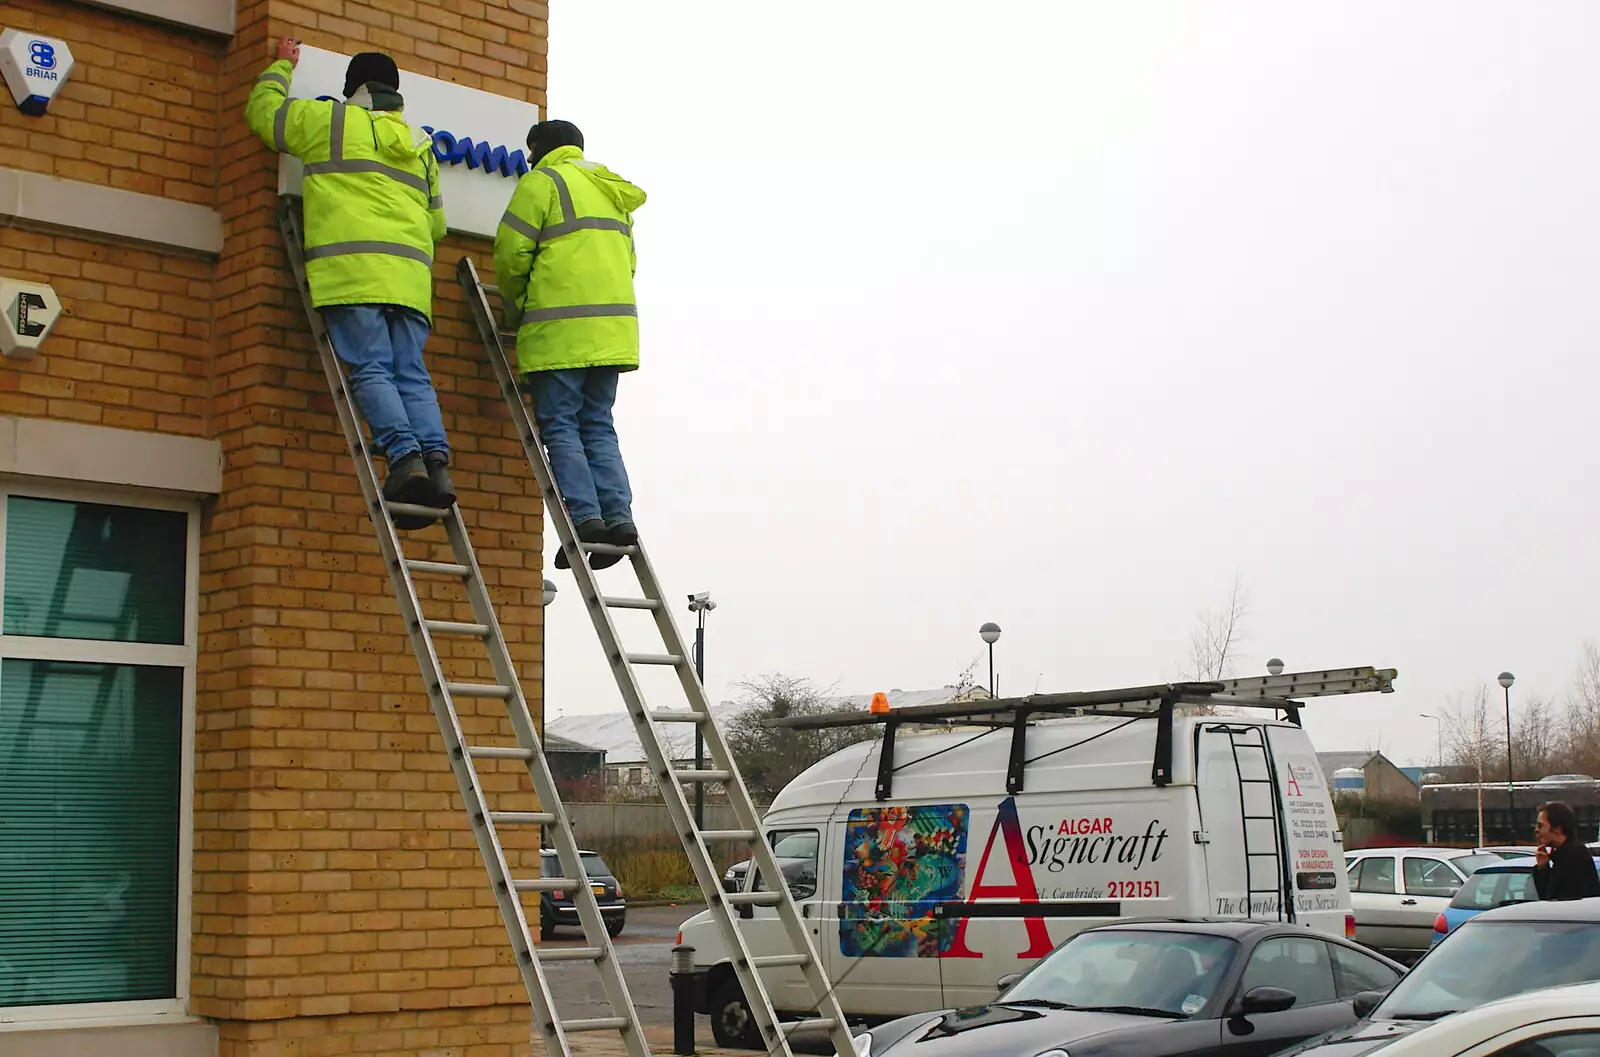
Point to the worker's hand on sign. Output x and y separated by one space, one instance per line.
289 48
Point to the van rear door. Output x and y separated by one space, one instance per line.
1321 889
1240 819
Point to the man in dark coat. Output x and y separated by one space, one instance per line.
1565 868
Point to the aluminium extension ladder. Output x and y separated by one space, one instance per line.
442 694
724 906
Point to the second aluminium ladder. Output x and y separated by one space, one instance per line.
724 906
443 693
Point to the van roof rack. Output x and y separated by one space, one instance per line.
1158 702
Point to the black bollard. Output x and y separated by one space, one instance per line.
682 977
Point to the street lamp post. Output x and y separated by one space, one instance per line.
990 633
700 604
1505 680
1438 723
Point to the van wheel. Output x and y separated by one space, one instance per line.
732 1024
547 928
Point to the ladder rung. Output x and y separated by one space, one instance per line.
729 834
653 658
499 752
432 513
596 1024
678 715
456 627
608 548
794 1027
438 568
702 776
754 899
570 954
630 603
781 961
522 818
544 884
478 690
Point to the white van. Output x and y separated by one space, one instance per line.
930 865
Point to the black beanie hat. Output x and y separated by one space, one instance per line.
546 136
370 66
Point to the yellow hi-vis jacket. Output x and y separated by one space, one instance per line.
373 212
564 261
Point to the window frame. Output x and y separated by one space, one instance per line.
1245 985
185 657
773 836
1360 869
1338 950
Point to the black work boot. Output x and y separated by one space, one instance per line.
590 531
623 534
444 489
408 483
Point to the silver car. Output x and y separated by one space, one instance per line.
1398 893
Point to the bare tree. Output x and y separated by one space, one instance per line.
967 681
1536 739
1214 643
770 758
1581 722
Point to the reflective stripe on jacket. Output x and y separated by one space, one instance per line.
373 212
564 260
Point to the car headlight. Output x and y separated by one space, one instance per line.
863 1043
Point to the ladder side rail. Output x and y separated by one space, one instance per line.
566 843
829 1007
758 1000
421 640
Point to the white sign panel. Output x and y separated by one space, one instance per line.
35 68
477 137
30 311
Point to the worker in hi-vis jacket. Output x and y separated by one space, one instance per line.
373 215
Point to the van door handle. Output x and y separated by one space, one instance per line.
1408 902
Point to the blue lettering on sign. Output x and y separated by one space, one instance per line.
450 150
43 54
43 75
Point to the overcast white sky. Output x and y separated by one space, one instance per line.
1058 315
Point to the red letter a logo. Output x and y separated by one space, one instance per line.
1021 887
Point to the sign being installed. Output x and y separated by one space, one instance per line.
30 311
35 68
477 137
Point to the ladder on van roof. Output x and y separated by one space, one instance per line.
443 694
1159 702
725 907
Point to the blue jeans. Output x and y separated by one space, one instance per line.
381 346
573 409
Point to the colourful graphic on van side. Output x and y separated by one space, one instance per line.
900 863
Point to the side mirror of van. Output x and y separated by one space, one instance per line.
1006 982
1365 1002
1266 1000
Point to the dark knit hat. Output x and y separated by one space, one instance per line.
546 136
368 67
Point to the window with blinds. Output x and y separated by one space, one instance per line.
91 736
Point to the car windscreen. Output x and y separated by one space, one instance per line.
1487 960
1496 887
594 866
1172 972
1468 863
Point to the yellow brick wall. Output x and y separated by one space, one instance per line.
338 895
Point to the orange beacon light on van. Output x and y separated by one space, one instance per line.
880 703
